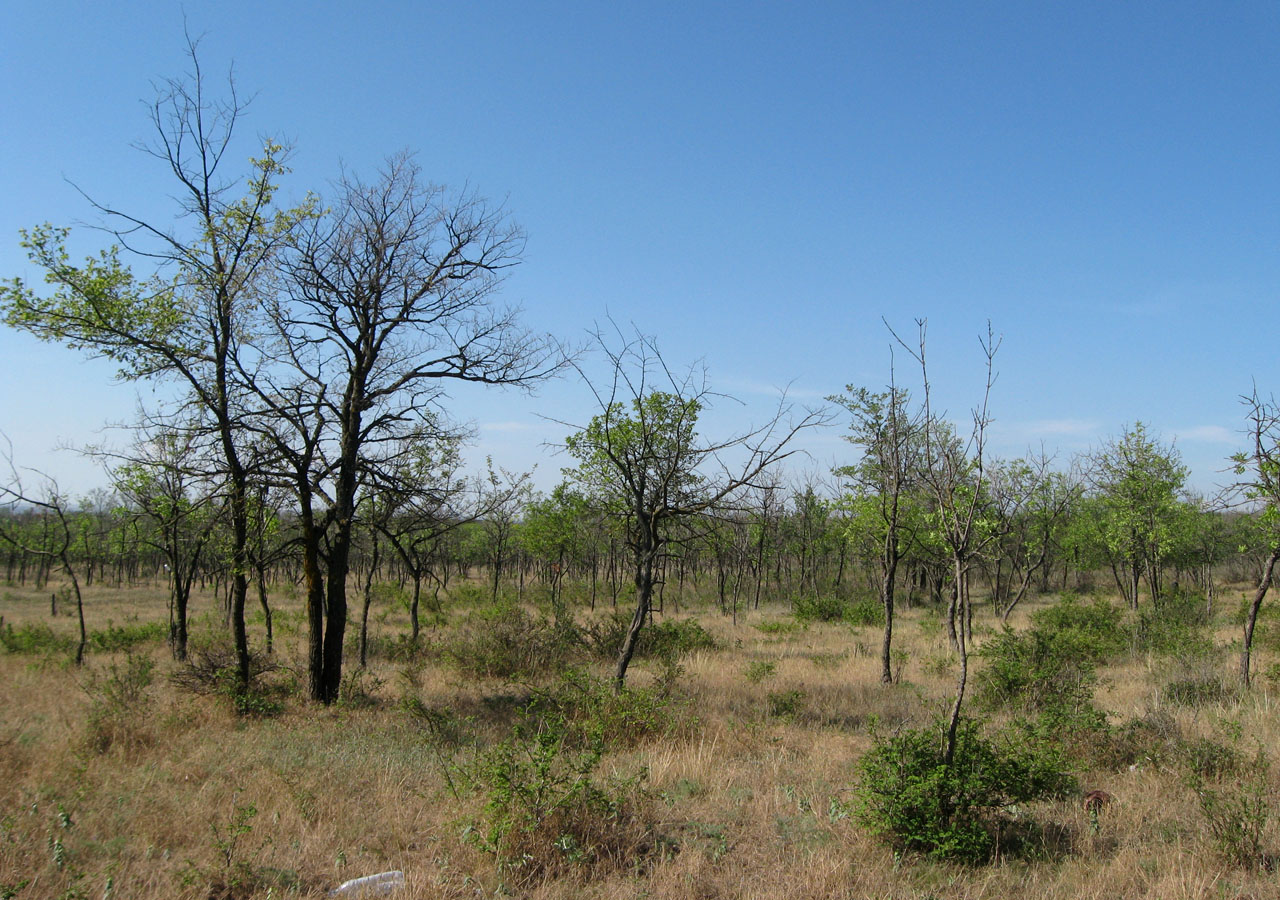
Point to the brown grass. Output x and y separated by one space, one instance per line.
187 800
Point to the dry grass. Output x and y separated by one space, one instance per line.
187 800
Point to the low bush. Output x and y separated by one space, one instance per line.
503 640
1236 813
1174 626
212 668
547 815
1035 671
1095 629
119 704
818 609
35 638
864 610
588 709
669 639
910 796
116 638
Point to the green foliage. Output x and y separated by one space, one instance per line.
503 640
785 704
669 639
115 638
1175 626
861 611
234 874
546 814
1237 814
640 458
1094 629
818 609
1206 758
911 797
119 703
35 638
589 709
673 638
760 669
1199 690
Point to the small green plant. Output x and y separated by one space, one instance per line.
119 703
587 708
234 874
912 797
819 609
547 815
359 689
116 638
1205 758
36 638
785 704
1175 626
503 640
760 669
865 611
1237 815
668 639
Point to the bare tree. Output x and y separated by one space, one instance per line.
51 501
954 473
387 299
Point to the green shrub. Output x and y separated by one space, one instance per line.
760 669
116 638
1199 689
119 703
546 814
1095 630
786 704
910 796
674 638
1174 626
668 639
1237 814
503 640
1035 671
1206 758
35 638
818 609
588 709
865 611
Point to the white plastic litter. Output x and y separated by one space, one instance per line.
379 885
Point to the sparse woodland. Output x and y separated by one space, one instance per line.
293 642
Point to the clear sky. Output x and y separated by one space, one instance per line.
757 184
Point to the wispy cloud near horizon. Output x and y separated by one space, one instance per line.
1207 434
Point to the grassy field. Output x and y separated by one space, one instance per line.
733 775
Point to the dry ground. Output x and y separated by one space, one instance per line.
170 794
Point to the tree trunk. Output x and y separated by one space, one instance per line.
1264 584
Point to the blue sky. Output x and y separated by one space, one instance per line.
756 184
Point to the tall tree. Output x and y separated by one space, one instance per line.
889 434
1139 482
642 460
190 312
1258 485
388 298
